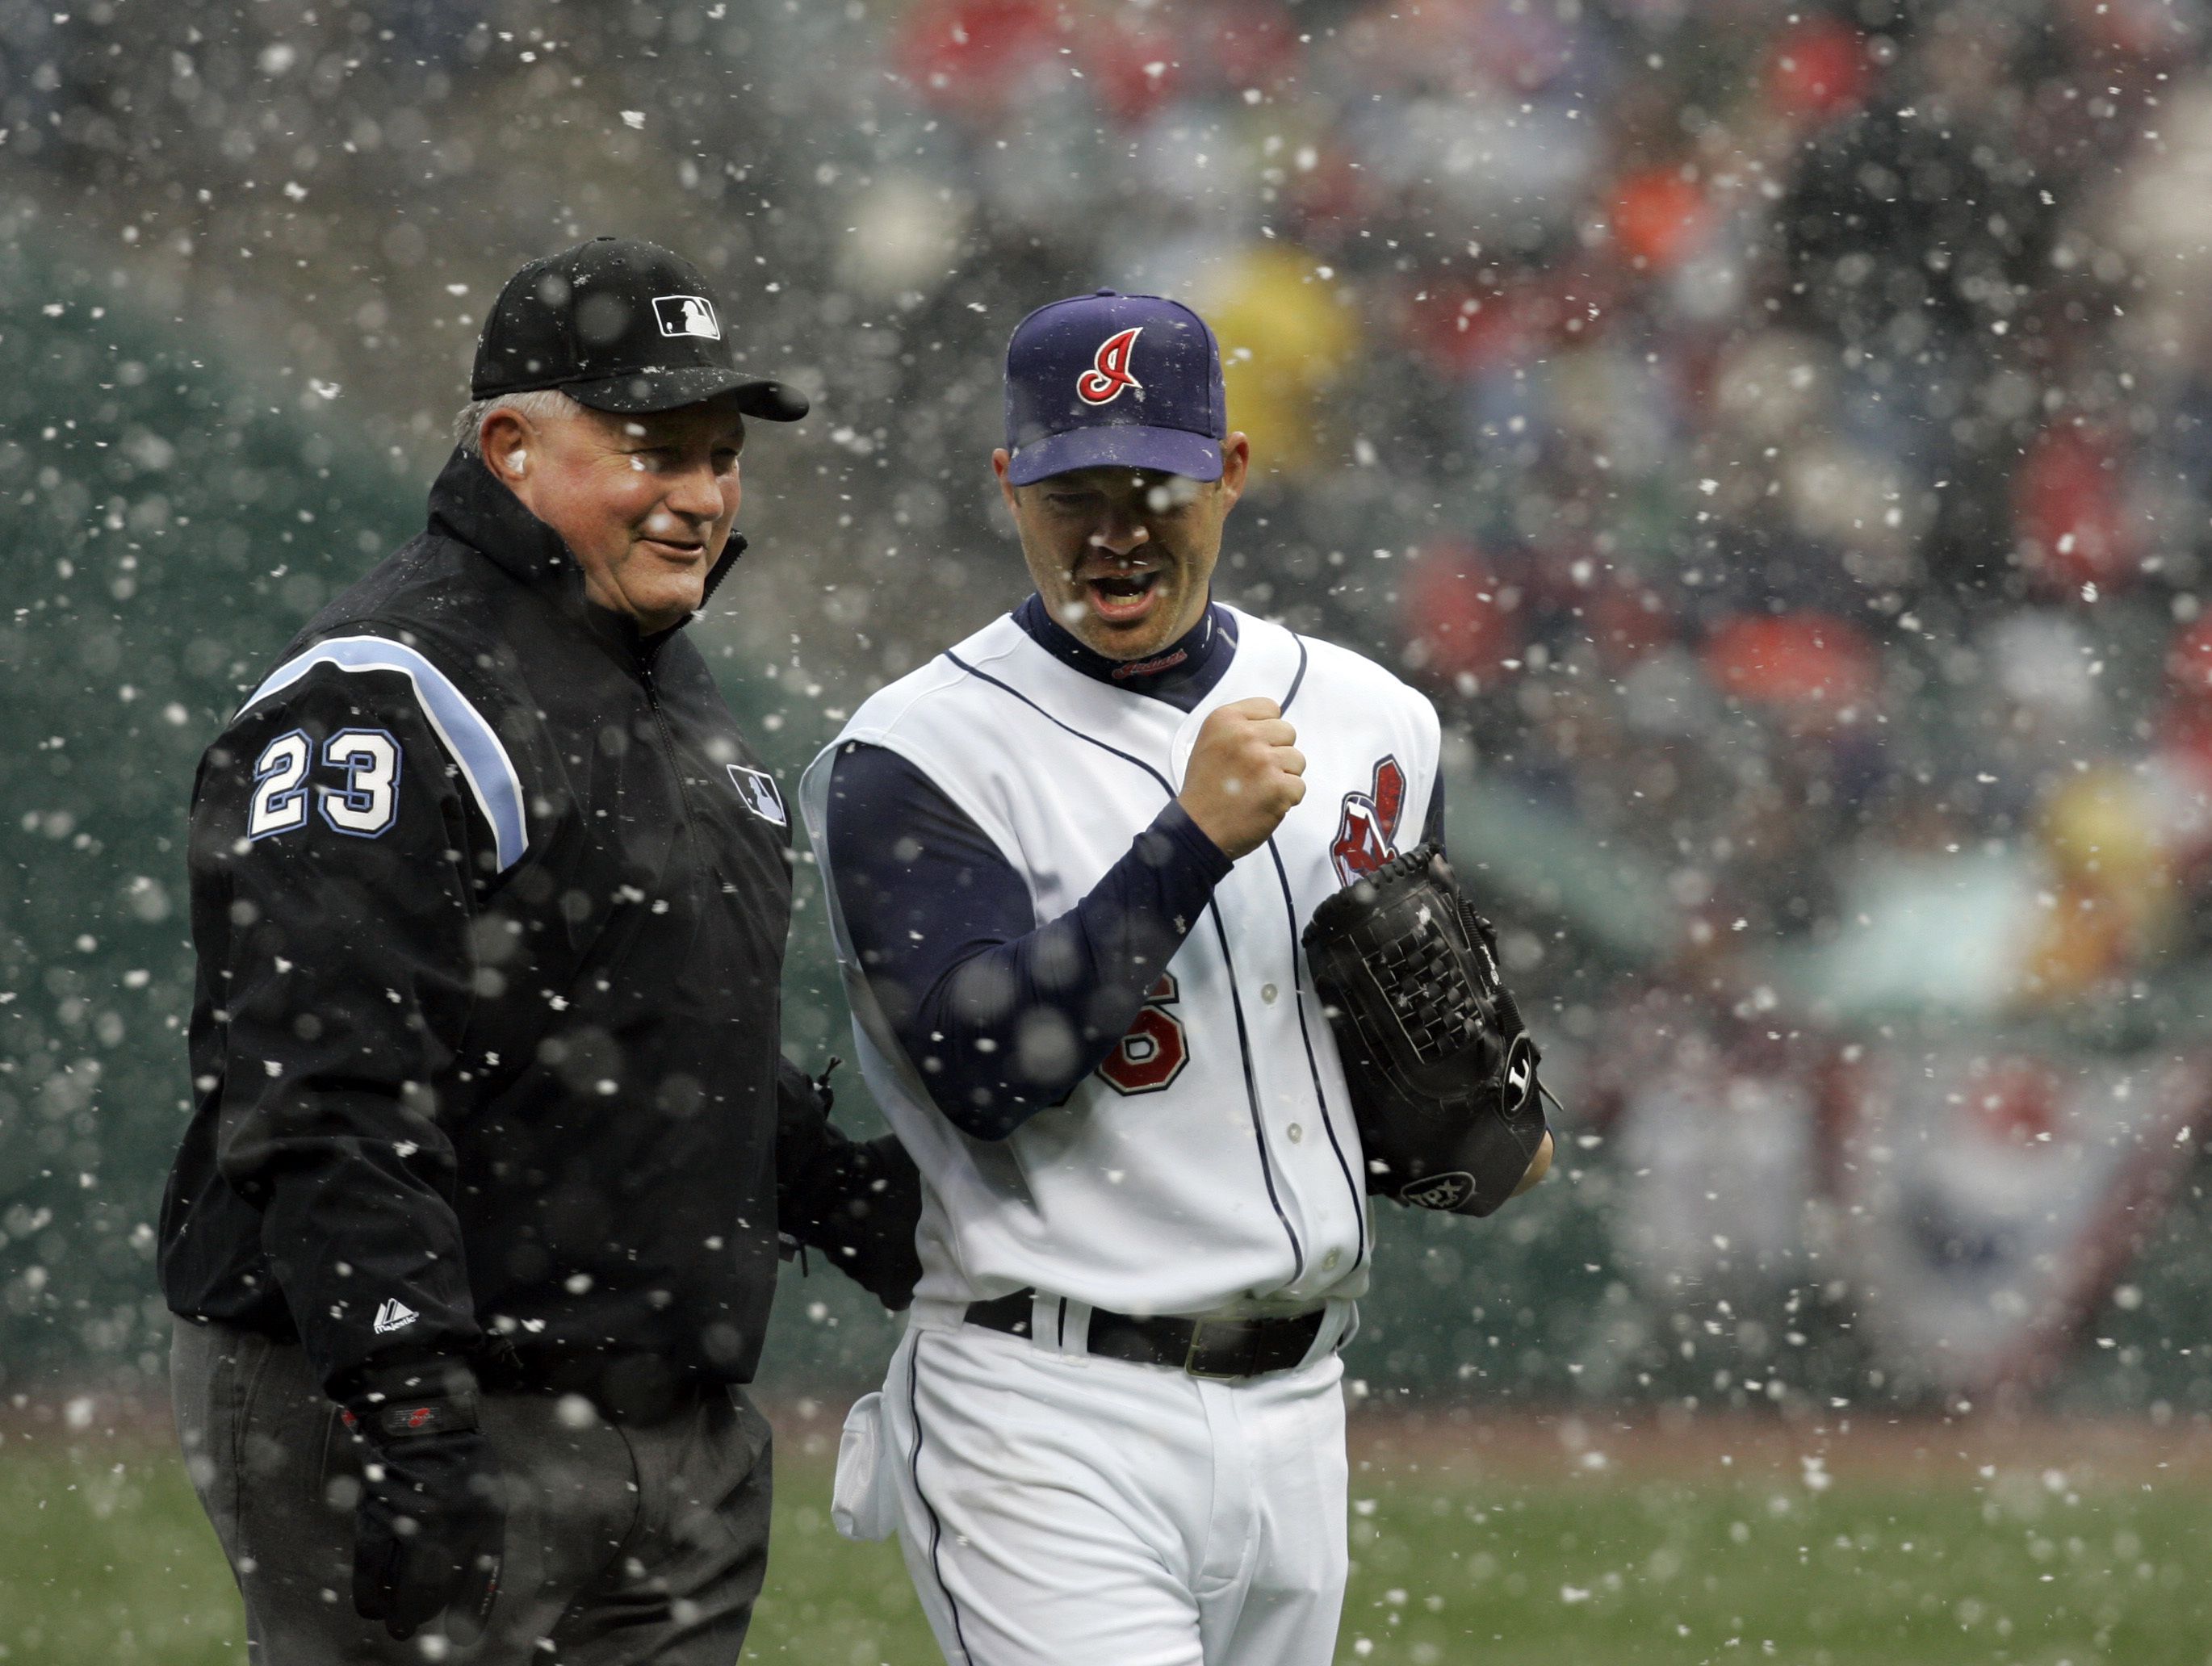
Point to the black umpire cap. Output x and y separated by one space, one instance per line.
619 324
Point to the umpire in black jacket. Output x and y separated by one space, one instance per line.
475 1227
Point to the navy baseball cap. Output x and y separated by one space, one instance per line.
619 324
1108 379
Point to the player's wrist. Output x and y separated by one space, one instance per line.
1189 839
1219 826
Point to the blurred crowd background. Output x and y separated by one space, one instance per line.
1775 435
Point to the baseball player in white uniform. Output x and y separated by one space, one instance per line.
1068 862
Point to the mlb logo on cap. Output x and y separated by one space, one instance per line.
1113 379
619 324
686 315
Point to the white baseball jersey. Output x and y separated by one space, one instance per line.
1213 1161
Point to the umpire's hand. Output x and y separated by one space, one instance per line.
858 1201
1244 774
431 1527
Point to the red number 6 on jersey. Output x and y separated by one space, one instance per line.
1154 1052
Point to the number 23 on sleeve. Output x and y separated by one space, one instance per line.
365 806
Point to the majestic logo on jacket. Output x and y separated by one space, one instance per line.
759 789
1109 374
394 1314
1367 830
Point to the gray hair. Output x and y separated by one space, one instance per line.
542 405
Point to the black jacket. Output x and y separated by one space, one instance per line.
489 895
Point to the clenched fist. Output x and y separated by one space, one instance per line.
1245 774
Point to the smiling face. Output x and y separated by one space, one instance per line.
644 502
1124 557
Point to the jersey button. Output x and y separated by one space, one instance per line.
1297 1133
1267 993
1328 1261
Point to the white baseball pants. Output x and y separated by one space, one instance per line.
1065 1509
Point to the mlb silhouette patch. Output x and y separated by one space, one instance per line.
757 789
687 315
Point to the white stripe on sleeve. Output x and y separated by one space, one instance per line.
473 744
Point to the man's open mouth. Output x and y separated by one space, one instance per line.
1120 598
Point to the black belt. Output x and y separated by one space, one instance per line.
1225 1348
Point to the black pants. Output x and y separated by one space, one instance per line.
625 1542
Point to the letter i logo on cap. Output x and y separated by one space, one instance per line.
1109 370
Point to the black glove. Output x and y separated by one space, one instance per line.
1443 1073
858 1201
431 1527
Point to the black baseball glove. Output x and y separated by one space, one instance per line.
856 1200
429 1530
1442 1071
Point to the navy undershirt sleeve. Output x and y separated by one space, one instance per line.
1432 826
1002 1017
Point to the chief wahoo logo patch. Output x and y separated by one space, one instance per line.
1366 830
1109 374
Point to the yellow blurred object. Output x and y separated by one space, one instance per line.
2112 885
1284 336
2102 822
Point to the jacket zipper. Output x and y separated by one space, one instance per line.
668 746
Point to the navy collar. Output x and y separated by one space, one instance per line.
1183 673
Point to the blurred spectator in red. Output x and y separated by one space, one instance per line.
972 57
2070 510
1660 218
1463 623
1813 670
1816 70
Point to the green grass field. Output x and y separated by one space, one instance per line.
1522 1550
